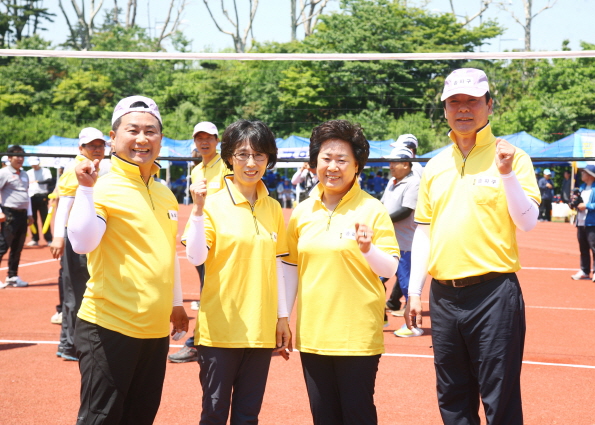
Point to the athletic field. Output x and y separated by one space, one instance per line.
558 380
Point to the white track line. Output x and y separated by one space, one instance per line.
31 264
414 356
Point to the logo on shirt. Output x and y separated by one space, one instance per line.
214 185
348 234
173 215
274 236
487 181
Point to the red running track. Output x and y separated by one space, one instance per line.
558 378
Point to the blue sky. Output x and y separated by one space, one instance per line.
568 19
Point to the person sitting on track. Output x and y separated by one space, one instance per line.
472 197
127 223
341 239
239 234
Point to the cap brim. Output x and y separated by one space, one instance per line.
470 91
591 173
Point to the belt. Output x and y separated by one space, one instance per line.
15 209
468 281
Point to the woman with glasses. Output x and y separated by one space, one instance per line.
239 234
341 239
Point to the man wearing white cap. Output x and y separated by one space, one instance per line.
213 169
39 179
74 266
127 224
546 188
473 196
409 141
400 199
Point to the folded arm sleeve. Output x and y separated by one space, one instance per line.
62 212
522 209
85 228
291 285
178 297
382 264
196 243
281 291
420 258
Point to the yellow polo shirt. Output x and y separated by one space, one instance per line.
340 308
132 270
238 303
463 201
215 172
68 183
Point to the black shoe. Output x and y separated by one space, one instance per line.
60 351
185 355
69 355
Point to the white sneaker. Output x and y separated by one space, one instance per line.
32 243
16 281
195 305
580 276
56 318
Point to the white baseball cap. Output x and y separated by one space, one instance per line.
207 127
405 140
5 160
401 152
89 134
470 81
33 160
124 107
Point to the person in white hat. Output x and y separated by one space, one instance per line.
127 224
546 187
410 142
472 198
400 199
39 179
74 266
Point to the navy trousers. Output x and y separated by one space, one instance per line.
478 334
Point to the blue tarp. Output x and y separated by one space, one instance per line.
578 144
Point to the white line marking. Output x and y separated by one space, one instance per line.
415 356
32 264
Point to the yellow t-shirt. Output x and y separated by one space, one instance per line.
215 171
471 231
340 308
238 304
68 183
132 270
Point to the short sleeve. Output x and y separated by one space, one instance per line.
423 210
100 197
292 239
68 183
410 194
523 168
384 233
185 234
209 225
281 233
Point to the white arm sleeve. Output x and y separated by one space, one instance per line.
196 243
420 258
85 228
291 285
29 210
281 297
523 210
382 264
64 205
178 297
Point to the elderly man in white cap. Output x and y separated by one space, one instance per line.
409 141
400 199
39 180
127 224
472 198
74 266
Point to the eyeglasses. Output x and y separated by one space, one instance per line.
258 157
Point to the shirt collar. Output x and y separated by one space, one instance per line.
12 169
124 167
395 182
236 195
483 138
212 162
318 190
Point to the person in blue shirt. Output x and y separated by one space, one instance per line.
546 187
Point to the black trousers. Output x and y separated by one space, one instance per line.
341 388
74 283
14 232
478 334
545 210
586 244
39 205
232 377
121 377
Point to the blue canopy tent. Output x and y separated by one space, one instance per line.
579 144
